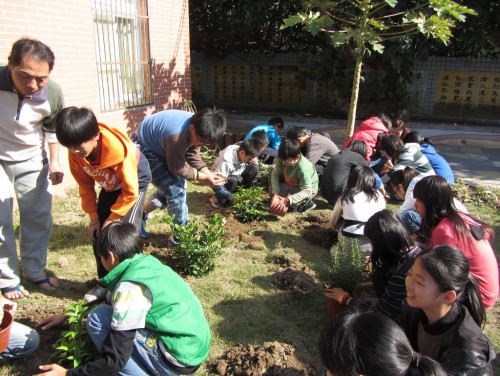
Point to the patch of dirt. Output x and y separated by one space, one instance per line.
291 260
298 282
250 234
269 359
31 315
320 236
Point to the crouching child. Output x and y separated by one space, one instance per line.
153 324
294 179
239 165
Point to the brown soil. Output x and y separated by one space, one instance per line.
269 359
31 315
296 281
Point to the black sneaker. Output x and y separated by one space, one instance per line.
98 292
305 207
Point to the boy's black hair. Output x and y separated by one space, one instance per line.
289 149
31 47
413 137
209 124
358 146
295 132
122 239
75 126
278 121
261 137
250 147
392 145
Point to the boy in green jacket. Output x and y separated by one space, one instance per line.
294 178
154 323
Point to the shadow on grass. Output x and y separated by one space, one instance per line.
280 316
68 236
67 288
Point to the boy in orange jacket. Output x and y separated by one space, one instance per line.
106 156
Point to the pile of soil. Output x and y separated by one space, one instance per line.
269 359
320 236
296 281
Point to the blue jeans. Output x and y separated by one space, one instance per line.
171 189
22 342
146 359
411 220
377 163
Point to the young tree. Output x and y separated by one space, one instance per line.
366 24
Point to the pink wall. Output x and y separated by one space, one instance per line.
67 27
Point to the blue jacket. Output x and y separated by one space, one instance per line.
273 136
438 163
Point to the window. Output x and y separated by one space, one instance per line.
123 56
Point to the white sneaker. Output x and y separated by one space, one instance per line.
97 292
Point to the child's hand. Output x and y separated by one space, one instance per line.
93 229
52 370
51 321
387 167
340 295
279 205
8 305
215 180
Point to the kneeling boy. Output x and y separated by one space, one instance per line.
299 177
239 165
154 323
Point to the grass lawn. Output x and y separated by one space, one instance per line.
240 297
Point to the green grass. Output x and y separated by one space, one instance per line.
241 304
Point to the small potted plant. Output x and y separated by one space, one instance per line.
6 320
346 271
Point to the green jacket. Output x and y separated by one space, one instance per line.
302 176
176 314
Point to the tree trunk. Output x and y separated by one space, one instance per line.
351 119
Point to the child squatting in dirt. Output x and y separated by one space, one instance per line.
153 323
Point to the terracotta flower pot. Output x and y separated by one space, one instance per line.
333 308
5 329
273 208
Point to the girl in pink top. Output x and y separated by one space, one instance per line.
442 224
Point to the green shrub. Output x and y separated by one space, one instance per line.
74 346
195 255
249 204
347 267
263 176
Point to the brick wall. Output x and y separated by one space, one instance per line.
68 28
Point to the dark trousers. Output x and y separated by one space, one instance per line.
104 203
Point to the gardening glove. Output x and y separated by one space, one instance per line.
340 295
